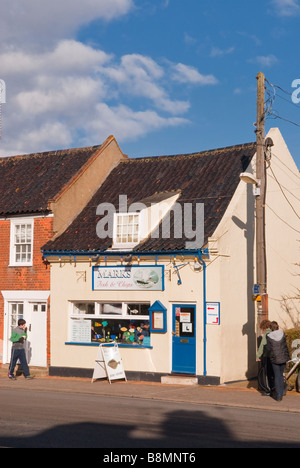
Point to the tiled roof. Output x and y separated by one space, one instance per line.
209 177
28 182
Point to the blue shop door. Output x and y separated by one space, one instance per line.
184 339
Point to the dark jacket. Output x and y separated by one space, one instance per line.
277 347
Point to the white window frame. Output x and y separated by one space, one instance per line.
13 245
127 244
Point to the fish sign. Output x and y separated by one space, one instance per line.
109 363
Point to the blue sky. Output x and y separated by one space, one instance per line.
162 76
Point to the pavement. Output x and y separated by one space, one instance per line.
240 394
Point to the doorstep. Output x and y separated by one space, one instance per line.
179 380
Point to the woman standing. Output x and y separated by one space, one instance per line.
279 355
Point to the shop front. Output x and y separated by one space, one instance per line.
160 240
155 319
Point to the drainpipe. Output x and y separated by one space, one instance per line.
200 255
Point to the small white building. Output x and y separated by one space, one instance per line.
162 261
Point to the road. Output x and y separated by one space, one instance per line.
48 419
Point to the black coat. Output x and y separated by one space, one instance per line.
277 347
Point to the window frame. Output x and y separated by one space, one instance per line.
14 223
126 244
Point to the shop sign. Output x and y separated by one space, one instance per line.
128 278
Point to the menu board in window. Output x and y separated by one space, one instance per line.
81 331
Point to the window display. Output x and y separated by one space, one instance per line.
124 323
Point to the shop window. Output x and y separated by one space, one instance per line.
111 309
124 323
85 308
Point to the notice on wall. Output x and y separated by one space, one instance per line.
213 313
81 331
185 317
109 363
158 320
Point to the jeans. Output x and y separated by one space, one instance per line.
15 355
278 370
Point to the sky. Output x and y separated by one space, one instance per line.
163 76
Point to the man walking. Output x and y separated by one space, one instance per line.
18 338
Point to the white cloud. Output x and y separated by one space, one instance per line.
23 21
61 92
76 93
37 138
59 97
142 77
217 52
286 7
68 56
265 60
127 124
187 74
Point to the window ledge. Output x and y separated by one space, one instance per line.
70 343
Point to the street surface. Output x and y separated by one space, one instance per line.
41 418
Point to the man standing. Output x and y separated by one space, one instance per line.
279 355
18 338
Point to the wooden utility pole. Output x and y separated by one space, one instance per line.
261 267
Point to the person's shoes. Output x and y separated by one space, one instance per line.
12 377
276 397
29 376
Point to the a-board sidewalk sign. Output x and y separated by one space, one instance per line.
108 363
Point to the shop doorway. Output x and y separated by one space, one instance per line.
184 339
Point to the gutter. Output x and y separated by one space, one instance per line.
120 253
200 255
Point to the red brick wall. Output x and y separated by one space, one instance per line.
35 277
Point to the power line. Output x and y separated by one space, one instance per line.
281 189
269 110
282 219
287 167
284 119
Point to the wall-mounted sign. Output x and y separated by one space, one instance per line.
128 278
213 313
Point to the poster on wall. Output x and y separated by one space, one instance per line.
128 278
108 363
